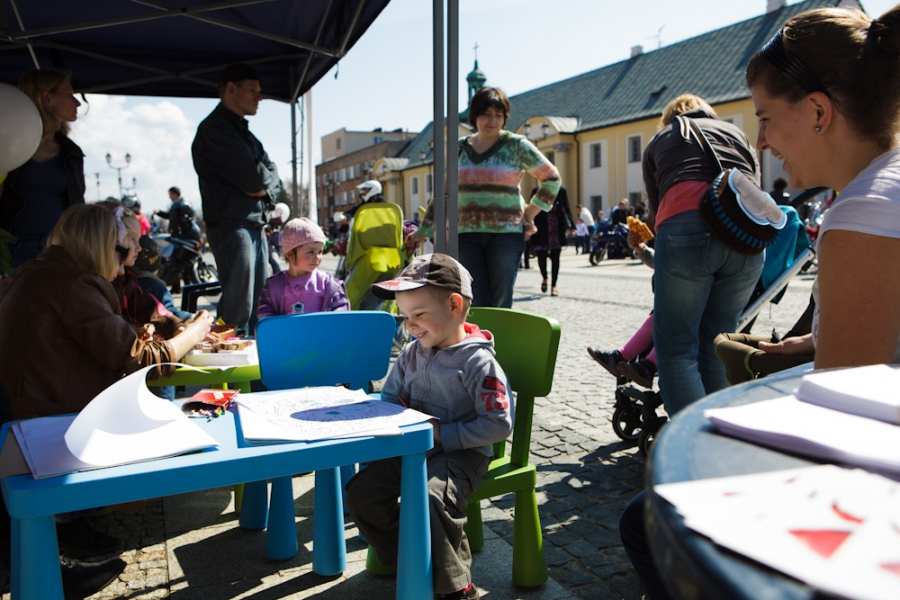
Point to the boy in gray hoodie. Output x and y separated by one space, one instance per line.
448 371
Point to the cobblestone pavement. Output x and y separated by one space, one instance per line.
586 474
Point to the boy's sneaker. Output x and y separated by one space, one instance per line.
641 372
607 360
470 592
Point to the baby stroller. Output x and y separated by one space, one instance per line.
634 415
609 241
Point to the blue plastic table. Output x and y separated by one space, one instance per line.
32 503
688 448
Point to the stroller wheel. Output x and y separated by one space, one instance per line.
648 435
626 422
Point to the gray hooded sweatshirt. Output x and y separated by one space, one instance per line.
462 385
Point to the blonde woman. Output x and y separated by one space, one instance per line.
36 194
62 334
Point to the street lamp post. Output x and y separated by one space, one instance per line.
97 177
119 169
133 186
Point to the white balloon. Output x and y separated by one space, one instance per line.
283 211
20 128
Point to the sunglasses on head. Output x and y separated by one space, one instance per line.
122 250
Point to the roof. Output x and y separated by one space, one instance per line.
711 65
178 47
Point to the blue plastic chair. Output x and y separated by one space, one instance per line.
316 349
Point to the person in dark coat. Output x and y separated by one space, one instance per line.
550 238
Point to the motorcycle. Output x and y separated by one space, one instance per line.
609 241
182 260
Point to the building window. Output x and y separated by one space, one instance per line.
415 185
596 204
429 184
343 175
634 198
596 160
634 149
378 139
358 171
337 143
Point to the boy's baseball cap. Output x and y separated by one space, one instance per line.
439 270
237 73
297 232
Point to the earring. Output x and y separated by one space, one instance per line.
818 129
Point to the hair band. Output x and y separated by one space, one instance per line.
792 66
120 226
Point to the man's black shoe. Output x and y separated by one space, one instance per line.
79 540
80 579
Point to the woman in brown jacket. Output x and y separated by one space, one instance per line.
62 335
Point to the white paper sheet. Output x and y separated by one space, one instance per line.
320 413
872 391
124 424
789 424
836 529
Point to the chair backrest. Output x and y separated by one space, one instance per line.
325 348
526 346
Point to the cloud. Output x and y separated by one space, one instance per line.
155 132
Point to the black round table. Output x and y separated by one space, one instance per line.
689 448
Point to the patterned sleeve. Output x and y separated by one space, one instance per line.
539 167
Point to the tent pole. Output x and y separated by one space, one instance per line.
310 167
440 213
296 205
452 204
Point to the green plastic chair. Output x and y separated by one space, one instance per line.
526 346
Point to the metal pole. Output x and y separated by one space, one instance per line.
311 194
452 204
440 214
294 203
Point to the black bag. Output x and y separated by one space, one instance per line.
743 216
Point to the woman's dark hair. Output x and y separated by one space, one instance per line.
485 98
846 55
175 190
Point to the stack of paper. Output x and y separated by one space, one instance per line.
320 413
872 391
836 529
804 424
124 424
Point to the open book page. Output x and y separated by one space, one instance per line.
835 529
810 430
124 424
872 391
320 413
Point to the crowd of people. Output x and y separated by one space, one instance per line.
84 299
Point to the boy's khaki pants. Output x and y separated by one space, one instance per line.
372 501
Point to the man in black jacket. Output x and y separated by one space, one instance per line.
238 185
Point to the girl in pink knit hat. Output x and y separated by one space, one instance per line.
302 288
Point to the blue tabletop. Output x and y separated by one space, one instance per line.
231 463
689 448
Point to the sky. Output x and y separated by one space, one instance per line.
386 80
